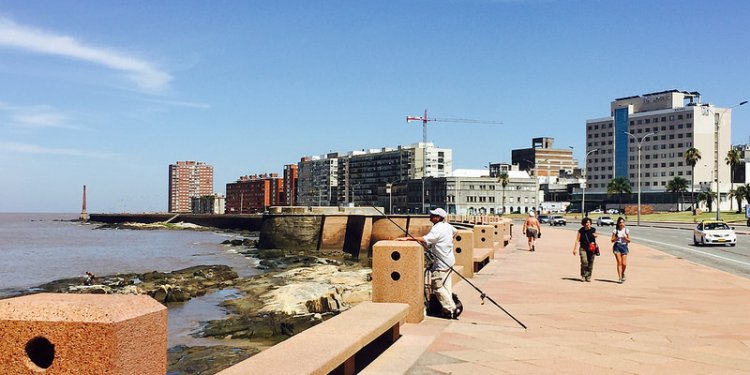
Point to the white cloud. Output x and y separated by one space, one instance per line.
26 148
43 120
143 73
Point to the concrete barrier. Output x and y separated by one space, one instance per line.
463 249
83 334
397 276
344 344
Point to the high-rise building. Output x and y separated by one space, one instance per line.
188 179
361 177
664 124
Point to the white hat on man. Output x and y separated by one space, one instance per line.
439 212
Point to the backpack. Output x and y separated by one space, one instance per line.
435 309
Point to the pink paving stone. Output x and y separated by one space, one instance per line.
668 315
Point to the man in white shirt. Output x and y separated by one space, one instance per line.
440 242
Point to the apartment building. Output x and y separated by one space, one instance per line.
317 181
289 196
254 194
187 180
663 125
208 204
361 177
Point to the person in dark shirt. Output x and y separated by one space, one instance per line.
585 238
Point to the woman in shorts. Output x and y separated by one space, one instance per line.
621 239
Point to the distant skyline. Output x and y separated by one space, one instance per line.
109 94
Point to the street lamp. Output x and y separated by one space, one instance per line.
717 121
583 194
639 168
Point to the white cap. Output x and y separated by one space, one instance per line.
439 212
531 214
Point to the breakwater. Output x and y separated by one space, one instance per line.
352 231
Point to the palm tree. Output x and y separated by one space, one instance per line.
503 179
707 196
692 155
677 185
732 159
619 185
742 192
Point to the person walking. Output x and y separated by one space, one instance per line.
440 241
621 239
586 237
532 229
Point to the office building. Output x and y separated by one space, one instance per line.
188 179
542 160
317 181
665 124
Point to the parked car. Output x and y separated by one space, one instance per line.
613 211
597 211
557 220
714 232
543 219
604 220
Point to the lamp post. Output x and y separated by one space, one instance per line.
717 122
583 193
639 168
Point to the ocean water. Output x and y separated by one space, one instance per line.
37 248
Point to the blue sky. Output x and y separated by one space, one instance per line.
108 93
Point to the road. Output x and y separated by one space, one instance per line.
678 241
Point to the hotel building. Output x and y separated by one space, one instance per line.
665 124
188 179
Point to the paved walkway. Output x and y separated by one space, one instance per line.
670 317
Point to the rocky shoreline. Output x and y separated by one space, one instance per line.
297 290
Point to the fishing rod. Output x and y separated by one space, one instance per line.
432 257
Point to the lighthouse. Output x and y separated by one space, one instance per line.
84 216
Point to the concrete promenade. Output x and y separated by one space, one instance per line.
670 317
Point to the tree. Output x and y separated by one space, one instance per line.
692 155
733 158
619 186
707 196
740 193
677 185
503 179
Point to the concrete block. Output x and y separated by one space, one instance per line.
398 275
463 248
484 238
83 334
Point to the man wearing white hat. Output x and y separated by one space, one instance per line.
440 242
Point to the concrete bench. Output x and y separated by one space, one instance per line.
344 344
482 257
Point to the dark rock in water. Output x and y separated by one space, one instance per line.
204 360
271 254
178 295
270 328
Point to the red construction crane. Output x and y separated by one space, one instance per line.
426 119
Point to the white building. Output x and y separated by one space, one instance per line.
665 124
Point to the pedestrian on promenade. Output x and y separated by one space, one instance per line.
621 239
440 242
587 239
532 229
